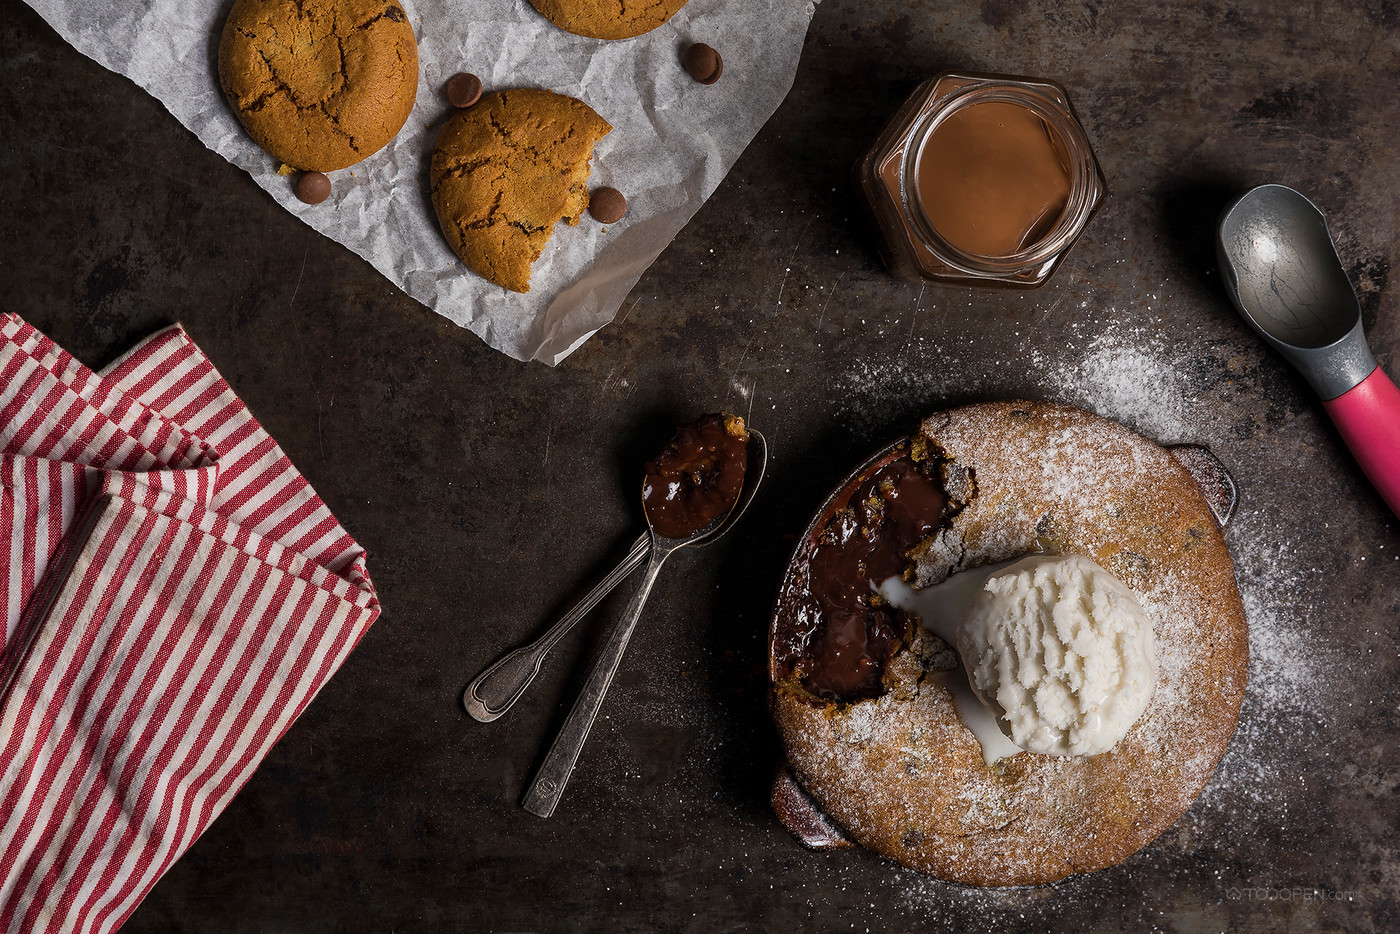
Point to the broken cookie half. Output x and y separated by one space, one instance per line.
505 171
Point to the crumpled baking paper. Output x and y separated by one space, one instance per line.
672 142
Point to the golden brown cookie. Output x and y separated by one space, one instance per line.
904 776
319 84
608 19
505 171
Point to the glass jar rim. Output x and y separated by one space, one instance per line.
1083 172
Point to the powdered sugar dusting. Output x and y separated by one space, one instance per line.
1299 684
1296 676
1133 375
1129 375
1295 672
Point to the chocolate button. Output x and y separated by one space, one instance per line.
313 187
607 205
704 63
463 89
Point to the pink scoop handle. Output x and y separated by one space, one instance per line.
1368 417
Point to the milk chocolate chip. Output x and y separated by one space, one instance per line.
313 187
463 89
607 205
703 63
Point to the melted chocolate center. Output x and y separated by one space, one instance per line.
841 641
697 477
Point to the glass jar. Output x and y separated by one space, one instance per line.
913 184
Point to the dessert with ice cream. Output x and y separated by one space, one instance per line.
1010 648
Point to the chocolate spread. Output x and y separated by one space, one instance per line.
993 178
697 477
838 638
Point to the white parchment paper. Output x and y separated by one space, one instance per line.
672 142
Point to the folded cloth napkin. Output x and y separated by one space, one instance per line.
174 595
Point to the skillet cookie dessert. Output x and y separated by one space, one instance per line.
1064 711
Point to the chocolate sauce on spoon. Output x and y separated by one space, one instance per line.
697 477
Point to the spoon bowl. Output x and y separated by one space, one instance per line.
1287 281
753 476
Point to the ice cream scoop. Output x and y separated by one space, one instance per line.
1061 652
1284 275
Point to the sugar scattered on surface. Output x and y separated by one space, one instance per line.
1129 376
1133 375
1293 676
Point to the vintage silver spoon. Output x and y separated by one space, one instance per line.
548 786
501 684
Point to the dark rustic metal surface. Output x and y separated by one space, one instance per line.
487 491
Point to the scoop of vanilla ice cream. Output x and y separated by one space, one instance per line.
1061 652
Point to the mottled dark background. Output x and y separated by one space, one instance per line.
486 490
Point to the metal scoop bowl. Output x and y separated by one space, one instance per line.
1283 273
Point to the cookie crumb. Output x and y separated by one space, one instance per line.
285 169
313 187
607 205
704 63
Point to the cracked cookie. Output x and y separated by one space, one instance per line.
319 84
865 697
608 19
505 171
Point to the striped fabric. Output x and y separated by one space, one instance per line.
175 594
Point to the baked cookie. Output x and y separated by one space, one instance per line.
608 19
319 84
505 171
897 768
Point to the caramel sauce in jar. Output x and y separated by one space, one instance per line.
981 179
993 178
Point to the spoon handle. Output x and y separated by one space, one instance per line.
548 787
492 692
1368 418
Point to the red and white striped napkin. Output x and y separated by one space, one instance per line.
173 593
